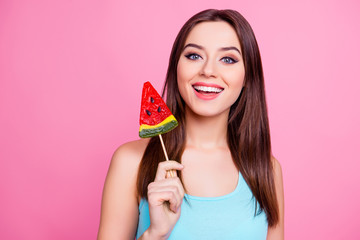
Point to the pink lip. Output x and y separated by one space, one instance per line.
207 96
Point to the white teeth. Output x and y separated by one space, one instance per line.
208 89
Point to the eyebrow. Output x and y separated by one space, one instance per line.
221 49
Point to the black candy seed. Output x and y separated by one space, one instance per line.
159 109
152 100
148 112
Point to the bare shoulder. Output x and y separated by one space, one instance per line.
129 154
125 163
119 206
277 232
277 167
278 180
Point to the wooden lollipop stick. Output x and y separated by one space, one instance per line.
163 147
171 172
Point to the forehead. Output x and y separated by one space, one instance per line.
213 34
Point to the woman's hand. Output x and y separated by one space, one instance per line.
165 196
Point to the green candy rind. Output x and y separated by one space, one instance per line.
146 133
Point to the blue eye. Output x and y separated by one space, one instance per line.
229 60
193 56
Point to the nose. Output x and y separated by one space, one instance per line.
208 69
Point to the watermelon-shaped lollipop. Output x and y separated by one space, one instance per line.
155 116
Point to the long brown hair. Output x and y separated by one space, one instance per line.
248 127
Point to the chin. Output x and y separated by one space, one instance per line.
206 112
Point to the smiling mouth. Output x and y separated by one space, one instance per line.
207 90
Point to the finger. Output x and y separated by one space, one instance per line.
170 182
171 195
174 182
171 173
163 167
169 185
166 188
162 197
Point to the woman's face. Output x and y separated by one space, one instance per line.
210 72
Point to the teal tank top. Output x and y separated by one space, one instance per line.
230 217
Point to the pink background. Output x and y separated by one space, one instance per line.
71 74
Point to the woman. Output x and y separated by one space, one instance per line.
228 185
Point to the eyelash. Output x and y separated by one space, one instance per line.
194 56
232 61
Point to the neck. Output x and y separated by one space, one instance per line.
206 132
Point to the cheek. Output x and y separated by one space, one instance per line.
235 78
235 81
181 78
180 72
186 70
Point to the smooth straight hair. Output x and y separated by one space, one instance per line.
248 134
